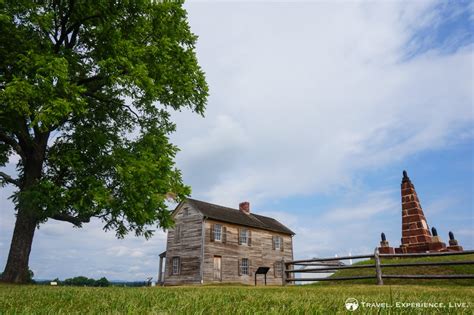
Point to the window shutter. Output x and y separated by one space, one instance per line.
176 233
224 234
281 243
180 265
240 239
250 264
212 232
273 242
170 266
275 269
238 267
249 237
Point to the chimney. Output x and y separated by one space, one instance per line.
244 207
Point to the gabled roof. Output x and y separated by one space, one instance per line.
236 216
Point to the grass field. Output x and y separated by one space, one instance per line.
425 270
395 297
315 299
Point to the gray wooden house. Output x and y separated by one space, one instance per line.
212 243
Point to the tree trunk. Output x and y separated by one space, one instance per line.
16 270
27 218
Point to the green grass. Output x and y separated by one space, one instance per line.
231 299
425 270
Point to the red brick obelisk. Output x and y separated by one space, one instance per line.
416 236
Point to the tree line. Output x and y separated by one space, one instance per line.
84 281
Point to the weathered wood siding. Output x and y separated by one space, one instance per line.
260 254
188 247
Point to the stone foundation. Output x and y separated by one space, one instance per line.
386 250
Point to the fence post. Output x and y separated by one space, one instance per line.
283 272
378 269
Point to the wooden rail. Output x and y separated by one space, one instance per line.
429 276
330 268
331 279
466 252
441 263
332 264
297 262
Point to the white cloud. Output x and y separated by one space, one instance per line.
313 93
466 232
119 251
354 226
135 268
377 203
443 204
59 250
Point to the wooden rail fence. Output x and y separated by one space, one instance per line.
327 265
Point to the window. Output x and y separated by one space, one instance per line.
244 266
185 212
218 232
278 266
243 237
277 242
175 266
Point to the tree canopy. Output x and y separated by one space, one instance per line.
84 281
86 91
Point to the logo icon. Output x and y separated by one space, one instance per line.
352 304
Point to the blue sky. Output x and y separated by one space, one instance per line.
315 110
452 29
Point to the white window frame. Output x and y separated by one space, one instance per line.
218 232
175 262
277 241
244 235
244 266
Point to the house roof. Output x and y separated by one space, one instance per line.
236 216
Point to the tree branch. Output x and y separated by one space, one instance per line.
77 221
133 112
70 43
62 24
7 178
93 78
12 142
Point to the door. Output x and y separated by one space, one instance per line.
218 268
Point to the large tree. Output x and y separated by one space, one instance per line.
86 90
